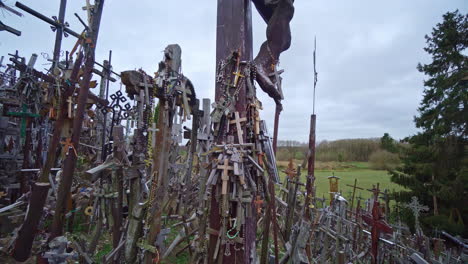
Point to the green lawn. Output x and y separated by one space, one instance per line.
365 176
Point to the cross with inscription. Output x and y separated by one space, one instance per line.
416 207
238 122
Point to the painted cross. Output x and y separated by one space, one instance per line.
416 207
378 225
238 122
225 176
24 115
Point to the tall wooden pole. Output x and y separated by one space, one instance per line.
71 158
59 33
234 33
309 201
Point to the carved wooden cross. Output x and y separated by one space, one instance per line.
225 176
238 122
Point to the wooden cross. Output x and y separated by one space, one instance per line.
238 122
225 176
378 225
24 115
70 107
416 207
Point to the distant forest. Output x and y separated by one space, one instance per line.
343 150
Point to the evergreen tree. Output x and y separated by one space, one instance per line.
388 143
435 164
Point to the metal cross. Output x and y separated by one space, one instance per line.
416 207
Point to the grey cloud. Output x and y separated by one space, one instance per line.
367 55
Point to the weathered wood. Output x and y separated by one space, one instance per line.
24 239
70 160
28 231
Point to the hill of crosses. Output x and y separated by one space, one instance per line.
154 174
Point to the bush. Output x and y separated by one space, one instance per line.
383 160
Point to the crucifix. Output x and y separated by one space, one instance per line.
416 208
237 120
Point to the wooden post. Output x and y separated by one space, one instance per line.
70 160
310 188
234 33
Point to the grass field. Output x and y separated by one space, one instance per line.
348 172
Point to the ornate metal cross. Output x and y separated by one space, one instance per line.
416 207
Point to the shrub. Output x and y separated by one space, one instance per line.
383 160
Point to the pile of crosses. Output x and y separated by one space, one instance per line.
81 171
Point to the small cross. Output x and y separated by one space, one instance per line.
225 177
70 107
238 122
237 76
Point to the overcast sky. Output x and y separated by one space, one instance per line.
367 55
